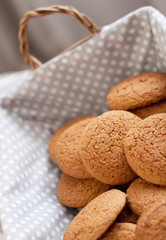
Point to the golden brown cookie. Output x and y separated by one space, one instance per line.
127 216
145 148
61 130
120 231
66 151
155 108
95 218
73 192
142 194
152 223
138 91
102 147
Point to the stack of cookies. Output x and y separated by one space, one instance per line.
114 165
144 94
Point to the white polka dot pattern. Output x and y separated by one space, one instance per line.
64 88
30 208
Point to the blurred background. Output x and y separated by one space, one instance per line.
50 35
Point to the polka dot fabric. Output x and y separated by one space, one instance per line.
71 85
28 181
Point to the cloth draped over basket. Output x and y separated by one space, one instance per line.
72 84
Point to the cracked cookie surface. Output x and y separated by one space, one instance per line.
96 217
124 231
145 149
152 223
138 91
66 151
102 147
159 107
55 136
73 192
142 194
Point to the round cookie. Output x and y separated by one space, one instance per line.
54 138
152 223
124 231
145 148
127 216
73 192
142 194
159 107
66 151
95 218
138 91
102 147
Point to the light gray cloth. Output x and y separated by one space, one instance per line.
66 87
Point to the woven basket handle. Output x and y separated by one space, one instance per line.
39 12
